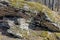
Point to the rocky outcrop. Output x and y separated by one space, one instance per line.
48 17
25 16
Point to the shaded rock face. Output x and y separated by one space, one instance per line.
42 21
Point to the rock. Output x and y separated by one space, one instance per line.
48 18
10 11
26 8
30 16
19 30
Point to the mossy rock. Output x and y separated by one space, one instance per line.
52 16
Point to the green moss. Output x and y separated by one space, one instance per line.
44 34
57 34
45 38
34 34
